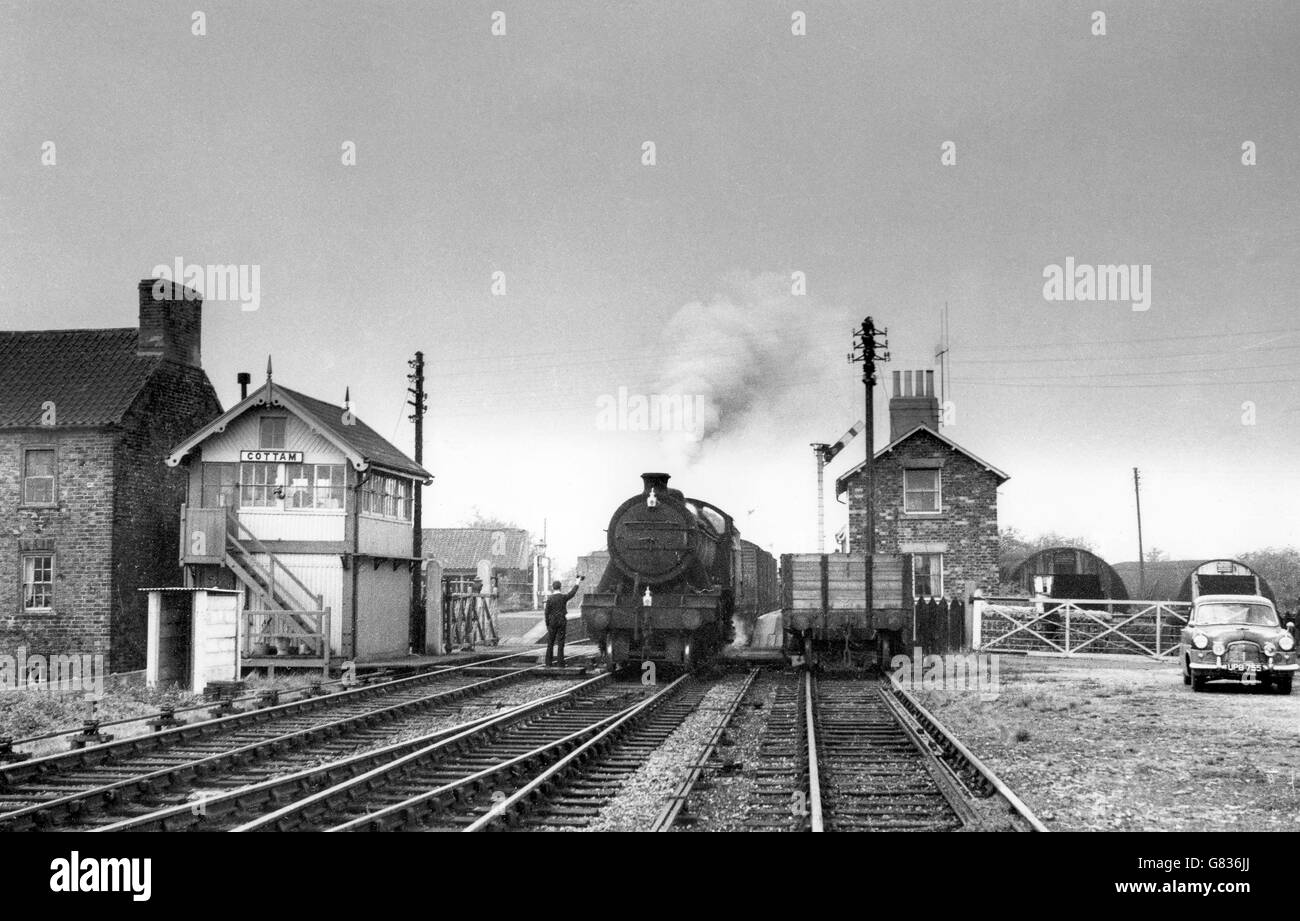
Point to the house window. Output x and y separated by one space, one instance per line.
38 476
259 485
927 575
220 485
920 491
270 432
314 486
38 582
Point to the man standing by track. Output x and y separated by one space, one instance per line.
557 618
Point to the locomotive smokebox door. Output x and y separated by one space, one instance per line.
654 539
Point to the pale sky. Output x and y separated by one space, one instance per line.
774 154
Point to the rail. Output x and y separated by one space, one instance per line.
514 804
295 811
957 755
814 772
117 788
307 691
667 816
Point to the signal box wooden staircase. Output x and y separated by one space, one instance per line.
285 623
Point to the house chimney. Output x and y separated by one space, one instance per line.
170 321
913 403
243 378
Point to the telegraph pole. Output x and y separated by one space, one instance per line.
865 348
1142 560
419 405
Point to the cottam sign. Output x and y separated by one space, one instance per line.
270 457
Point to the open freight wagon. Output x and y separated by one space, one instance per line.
823 605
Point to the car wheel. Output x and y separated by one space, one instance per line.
1283 683
1198 682
1187 672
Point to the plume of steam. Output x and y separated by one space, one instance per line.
735 355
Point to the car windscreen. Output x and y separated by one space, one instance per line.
1225 612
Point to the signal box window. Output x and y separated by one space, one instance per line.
220 485
270 436
259 485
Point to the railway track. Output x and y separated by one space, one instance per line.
884 763
576 790
864 755
780 799
873 774
477 777
102 784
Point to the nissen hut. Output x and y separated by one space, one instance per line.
308 510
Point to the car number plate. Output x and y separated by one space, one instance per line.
1243 666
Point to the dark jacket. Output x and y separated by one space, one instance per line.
557 605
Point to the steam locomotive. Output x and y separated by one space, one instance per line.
679 580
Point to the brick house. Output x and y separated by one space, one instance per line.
88 508
933 499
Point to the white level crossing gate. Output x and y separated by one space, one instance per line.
1078 626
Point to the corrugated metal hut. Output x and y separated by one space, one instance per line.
1068 572
1171 580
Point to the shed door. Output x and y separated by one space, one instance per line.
174 619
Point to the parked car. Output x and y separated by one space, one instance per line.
1237 637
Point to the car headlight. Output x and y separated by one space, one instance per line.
1269 649
1219 648
1286 643
1200 641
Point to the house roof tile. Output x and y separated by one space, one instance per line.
92 376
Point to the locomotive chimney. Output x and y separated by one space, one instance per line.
656 481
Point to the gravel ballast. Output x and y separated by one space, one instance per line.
645 792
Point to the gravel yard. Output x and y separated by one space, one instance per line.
1122 745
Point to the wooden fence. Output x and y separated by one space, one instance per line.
940 624
300 639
